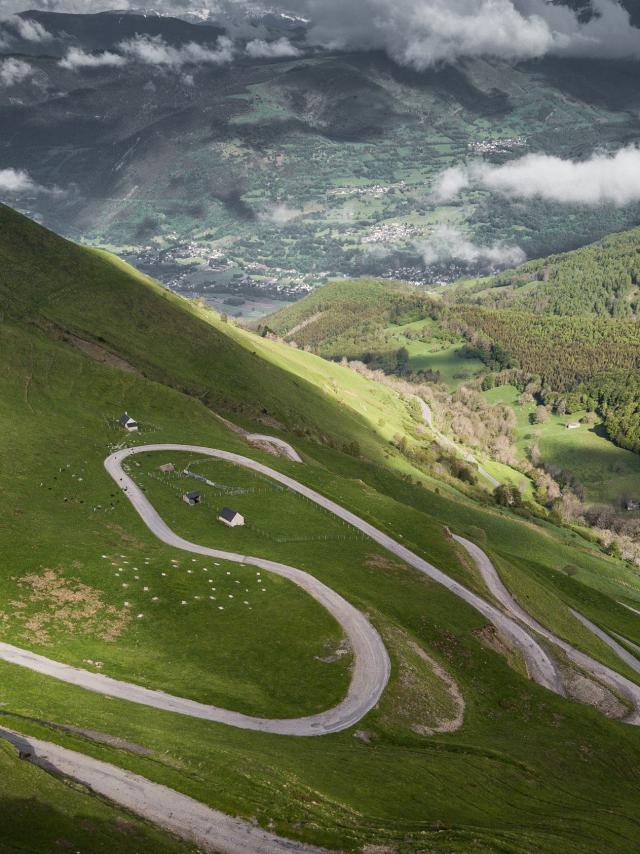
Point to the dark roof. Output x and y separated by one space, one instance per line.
194 495
228 514
124 419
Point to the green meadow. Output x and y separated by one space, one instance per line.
607 472
527 770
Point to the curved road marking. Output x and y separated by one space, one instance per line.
190 819
371 662
600 671
371 668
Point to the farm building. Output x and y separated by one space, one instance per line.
573 425
192 498
230 518
167 468
128 423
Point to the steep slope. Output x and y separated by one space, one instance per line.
524 758
96 302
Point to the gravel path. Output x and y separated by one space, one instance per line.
539 664
620 684
210 829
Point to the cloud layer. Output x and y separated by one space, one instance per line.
17 181
14 71
448 244
280 48
602 179
422 33
151 51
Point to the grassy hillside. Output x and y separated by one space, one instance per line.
40 814
527 771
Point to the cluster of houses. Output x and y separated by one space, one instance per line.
230 518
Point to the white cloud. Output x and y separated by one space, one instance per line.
280 214
14 71
155 51
77 58
450 183
13 28
261 49
448 244
17 181
602 179
30 30
151 51
420 33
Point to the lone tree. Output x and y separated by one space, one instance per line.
507 495
541 415
402 360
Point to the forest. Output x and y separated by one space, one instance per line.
600 279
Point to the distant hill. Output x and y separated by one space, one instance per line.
601 279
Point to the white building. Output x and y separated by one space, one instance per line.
230 518
129 424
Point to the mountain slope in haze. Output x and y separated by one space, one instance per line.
524 758
165 165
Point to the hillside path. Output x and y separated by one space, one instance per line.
620 684
189 819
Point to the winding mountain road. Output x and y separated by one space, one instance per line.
209 828
620 684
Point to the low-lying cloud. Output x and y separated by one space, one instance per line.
603 179
77 59
16 182
14 71
155 51
14 28
147 50
420 33
447 244
280 48
279 214
423 33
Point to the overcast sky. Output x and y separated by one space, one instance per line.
420 33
